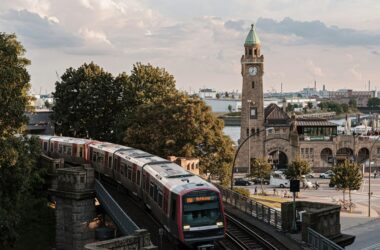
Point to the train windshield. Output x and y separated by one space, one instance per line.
201 208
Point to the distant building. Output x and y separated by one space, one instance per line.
40 122
207 93
190 164
221 105
39 101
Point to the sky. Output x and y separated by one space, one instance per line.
333 42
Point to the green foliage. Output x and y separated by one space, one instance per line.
88 103
289 107
309 105
345 107
296 169
352 103
217 96
261 169
347 176
19 177
14 85
243 191
373 102
230 108
182 126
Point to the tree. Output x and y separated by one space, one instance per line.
309 105
217 96
19 173
88 103
352 103
347 176
345 107
373 102
182 126
289 107
230 108
296 169
14 85
261 169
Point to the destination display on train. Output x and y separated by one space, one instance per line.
200 199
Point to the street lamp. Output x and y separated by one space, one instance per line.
237 152
249 132
369 177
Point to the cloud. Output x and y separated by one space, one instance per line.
238 25
316 32
356 73
314 69
37 31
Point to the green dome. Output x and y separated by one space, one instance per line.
252 38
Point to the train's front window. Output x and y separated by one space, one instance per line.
201 208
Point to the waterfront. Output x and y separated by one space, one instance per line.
234 131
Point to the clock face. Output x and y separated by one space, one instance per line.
252 71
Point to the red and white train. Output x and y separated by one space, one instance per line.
189 208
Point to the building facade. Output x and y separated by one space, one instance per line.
270 133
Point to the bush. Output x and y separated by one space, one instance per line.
243 191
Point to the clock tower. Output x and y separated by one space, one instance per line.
252 112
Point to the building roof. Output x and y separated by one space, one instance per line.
315 122
275 115
252 37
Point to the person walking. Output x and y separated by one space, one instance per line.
374 173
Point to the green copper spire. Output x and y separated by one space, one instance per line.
252 38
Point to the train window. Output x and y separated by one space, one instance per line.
146 183
155 193
51 147
138 177
122 168
100 158
129 173
159 198
151 189
81 152
134 176
60 149
110 162
93 156
45 146
68 150
173 208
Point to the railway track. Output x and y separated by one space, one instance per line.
240 236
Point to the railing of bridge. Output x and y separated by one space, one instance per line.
252 207
126 225
319 242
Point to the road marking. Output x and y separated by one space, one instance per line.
374 246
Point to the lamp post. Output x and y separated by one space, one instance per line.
237 152
249 132
369 177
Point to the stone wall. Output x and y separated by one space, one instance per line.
74 195
324 218
139 240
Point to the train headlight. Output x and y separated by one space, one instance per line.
186 227
219 224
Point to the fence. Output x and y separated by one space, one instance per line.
251 207
319 242
121 219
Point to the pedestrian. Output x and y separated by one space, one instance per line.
374 174
255 190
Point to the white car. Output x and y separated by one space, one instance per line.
326 175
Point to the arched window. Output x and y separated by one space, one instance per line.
253 84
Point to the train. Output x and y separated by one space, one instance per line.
189 208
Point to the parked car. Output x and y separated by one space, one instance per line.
326 175
279 180
242 182
257 180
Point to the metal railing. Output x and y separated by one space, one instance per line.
319 242
252 207
126 225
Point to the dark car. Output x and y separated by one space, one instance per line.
258 181
242 182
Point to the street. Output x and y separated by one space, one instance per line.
356 223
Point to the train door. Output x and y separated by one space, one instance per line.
75 149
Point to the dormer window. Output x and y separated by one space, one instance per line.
250 52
